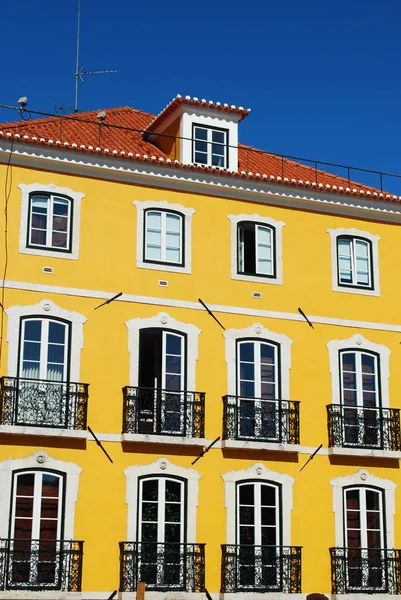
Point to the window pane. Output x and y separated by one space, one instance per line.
60 207
150 490
218 136
153 220
173 223
200 133
201 158
246 494
201 147
247 351
153 253
57 333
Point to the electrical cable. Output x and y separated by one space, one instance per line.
7 194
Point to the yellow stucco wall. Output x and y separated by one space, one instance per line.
107 262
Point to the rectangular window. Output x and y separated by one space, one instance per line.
354 262
163 237
50 222
210 146
256 249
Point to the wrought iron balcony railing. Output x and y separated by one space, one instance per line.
366 570
41 565
261 419
162 567
43 403
360 427
163 412
261 569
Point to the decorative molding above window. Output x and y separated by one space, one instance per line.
256 249
354 261
162 467
50 221
257 472
164 236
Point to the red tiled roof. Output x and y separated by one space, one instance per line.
120 135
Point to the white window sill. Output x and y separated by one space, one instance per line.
366 452
363 596
255 279
263 596
268 446
43 431
355 290
178 595
172 440
48 253
39 595
163 267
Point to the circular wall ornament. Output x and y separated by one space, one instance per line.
358 341
259 471
363 476
163 319
46 307
41 458
163 466
258 329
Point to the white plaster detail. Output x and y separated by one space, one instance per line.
72 471
335 346
193 115
46 307
132 475
169 440
374 239
233 335
339 483
187 233
41 458
278 250
191 331
51 188
44 432
15 313
257 471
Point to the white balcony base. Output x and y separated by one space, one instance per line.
43 432
267 446
142 438
365 452
39 595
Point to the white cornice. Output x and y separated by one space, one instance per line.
223 185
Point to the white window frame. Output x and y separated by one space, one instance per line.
162 466
53 190
45 309
186 233
374 261
363 479
44 345
358 377
209 143
257 332
277 226
258 472
161 506
39 460
357 343
50 200
163 321
163 237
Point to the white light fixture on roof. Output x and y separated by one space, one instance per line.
23 101
101 115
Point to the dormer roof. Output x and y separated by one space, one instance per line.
180 101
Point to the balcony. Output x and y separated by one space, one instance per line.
163 567
364 431
260 423
36 405
40 565
156 415
261 569
365 570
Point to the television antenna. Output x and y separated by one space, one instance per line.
81 71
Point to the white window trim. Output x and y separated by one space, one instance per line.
257 332
278 249
207 117
163 321
260 473
363 479
161 467
186 228
374 239
39 460
359 343
44 309
51 188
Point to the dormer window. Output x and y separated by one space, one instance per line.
210 146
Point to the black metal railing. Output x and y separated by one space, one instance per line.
41 565
43 403
366 570
360 427
261 419
164 412
261 569
162 566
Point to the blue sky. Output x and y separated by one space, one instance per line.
322 77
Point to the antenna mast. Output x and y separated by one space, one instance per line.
80 71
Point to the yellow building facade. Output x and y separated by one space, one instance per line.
109 245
